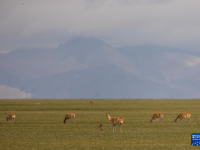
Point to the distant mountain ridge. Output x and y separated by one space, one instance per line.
90 68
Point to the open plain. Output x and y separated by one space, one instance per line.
41 126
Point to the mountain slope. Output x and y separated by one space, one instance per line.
174 67
90 68
99 82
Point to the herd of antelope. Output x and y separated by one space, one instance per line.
114 121
181 116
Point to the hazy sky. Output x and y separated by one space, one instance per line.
46 23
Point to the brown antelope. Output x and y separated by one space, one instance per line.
37 103
115 121
69 116
91 102
156 116
182 116
100 127
11 117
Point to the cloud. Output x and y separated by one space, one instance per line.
193 62
7 92
118 22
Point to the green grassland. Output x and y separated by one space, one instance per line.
41 126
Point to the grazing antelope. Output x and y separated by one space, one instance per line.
156 116
115 121
91 102
10 117
183 115
69 116
37 103
100 127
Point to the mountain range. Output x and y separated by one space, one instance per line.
90 68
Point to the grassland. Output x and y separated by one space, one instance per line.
41 126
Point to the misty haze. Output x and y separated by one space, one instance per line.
90 68
100 49
99 74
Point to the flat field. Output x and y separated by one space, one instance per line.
41 127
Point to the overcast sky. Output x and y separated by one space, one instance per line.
46 23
